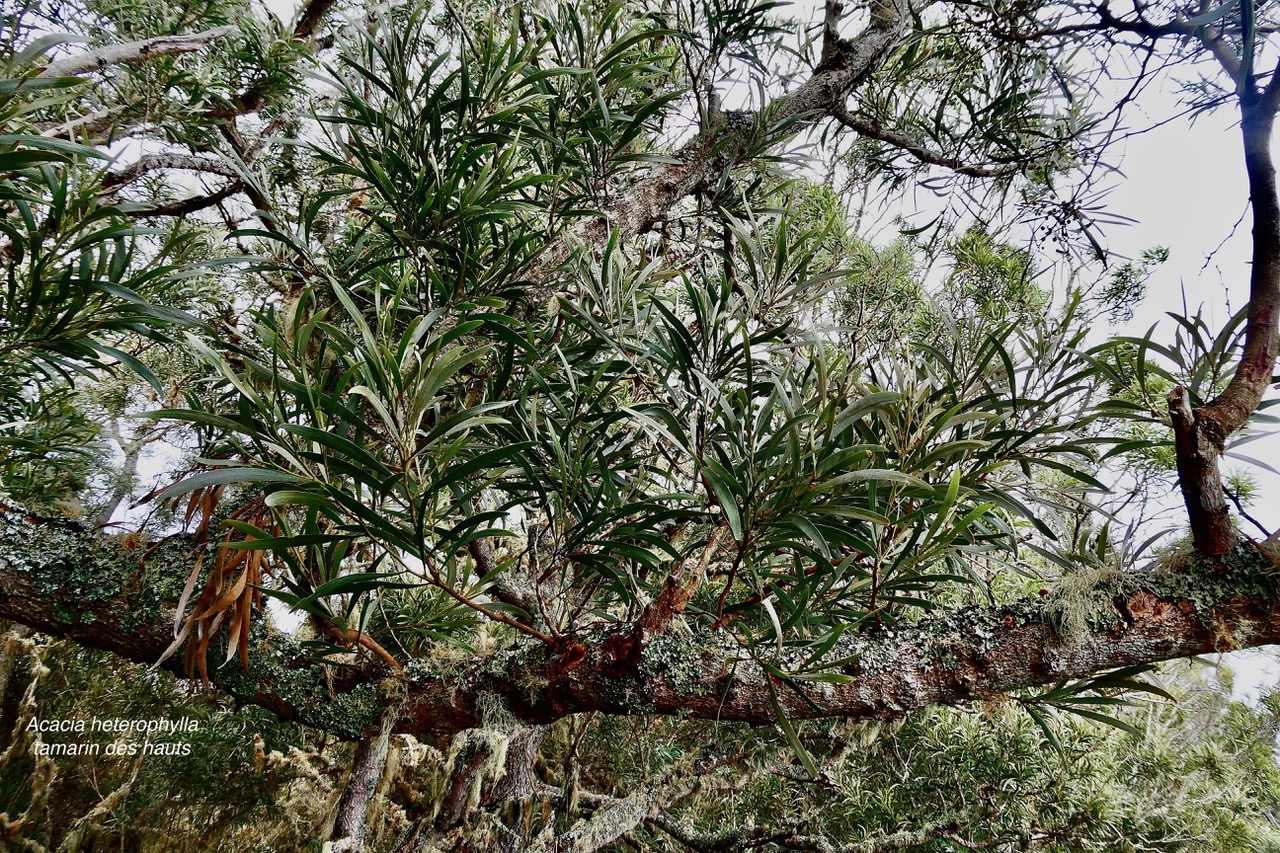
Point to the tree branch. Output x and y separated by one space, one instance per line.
915 149
607 825
184 206
1198 445
1108 21
504 588
92 589
310 16
722 841
131 53
367 768
702 161
1252 377
170 160
907 839
1200 436
308 20
95 127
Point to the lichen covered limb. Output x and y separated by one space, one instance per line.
1189 607
118 593
97 590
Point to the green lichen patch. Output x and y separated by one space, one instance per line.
1205 581
1084 602
279 665
676 661
87 568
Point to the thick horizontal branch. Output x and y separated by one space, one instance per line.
131 53
184 206
93 589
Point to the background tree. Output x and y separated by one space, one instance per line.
568 406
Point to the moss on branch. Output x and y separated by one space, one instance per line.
100 591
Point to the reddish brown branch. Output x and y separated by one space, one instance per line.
351 635
1200 436
1232 408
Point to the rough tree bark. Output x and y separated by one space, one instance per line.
369 763
132 53
93 589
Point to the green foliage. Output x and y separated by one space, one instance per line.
402 411
1141 371
1127 285
48 448
1201 775
82 285
464 370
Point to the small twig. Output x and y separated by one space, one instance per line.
1235 499
917 150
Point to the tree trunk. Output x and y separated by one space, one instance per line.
351 826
